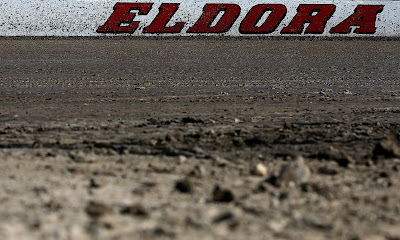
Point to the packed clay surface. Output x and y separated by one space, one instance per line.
199 139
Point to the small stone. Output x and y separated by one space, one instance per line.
182 159
134 210
184 186
259 170
278 225
96 209
211 132
198 150
153 142
347 92
170 138
78 157
198 171
222 195
294 173
82 157
221 162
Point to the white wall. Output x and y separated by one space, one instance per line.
83 17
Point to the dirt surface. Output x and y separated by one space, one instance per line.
202 139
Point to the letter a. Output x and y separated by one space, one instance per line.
364 16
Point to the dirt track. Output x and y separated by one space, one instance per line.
144 139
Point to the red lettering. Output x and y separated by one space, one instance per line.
210 13
159 25
122 15
315 14
364 17
248 25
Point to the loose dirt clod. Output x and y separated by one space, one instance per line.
97 209
340 157
387 148
328 170
222 194
135 210
184 186
223 217
191 120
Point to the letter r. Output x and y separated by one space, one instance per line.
317 15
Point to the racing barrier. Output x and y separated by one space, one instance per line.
199 17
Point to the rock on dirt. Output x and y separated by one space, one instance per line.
295 172
259 170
